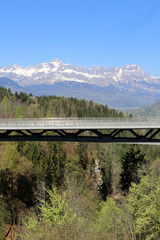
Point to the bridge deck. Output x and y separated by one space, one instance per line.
78 123
106 130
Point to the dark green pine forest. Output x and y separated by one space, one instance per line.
75 191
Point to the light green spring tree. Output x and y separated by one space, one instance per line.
108 223
20 112
56 211
10 158
144 200
6 106
55 214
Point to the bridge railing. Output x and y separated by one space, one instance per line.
77 122
102 119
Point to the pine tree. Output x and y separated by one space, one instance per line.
132 161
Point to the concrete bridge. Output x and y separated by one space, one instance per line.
104 130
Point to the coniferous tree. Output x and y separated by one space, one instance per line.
132 161
55 164
82 154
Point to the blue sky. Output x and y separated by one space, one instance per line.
81 32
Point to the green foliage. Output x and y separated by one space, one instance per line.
34 152
5 93
55 211
25 98
32 224
145 207
72 107
10 157
5 217
82 154
25 105
20 112
132 161
6 106
54 168
34 111
74 171
108 224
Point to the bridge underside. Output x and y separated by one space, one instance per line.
144 136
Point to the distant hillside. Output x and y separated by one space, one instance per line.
102 95
25 105
6 82
152 110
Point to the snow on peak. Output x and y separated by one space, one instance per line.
117 77
56 62
56 71
132 67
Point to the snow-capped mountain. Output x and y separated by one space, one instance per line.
57 71
121 84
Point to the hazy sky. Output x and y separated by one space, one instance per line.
81 32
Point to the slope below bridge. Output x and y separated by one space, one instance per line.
104 130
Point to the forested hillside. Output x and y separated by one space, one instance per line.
75 191
22 105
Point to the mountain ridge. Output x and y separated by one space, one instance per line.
129 86
56 71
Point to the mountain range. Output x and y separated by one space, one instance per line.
129 86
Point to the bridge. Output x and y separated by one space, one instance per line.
104 130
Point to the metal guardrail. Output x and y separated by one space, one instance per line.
75 123
101 119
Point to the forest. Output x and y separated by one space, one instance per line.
75 191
